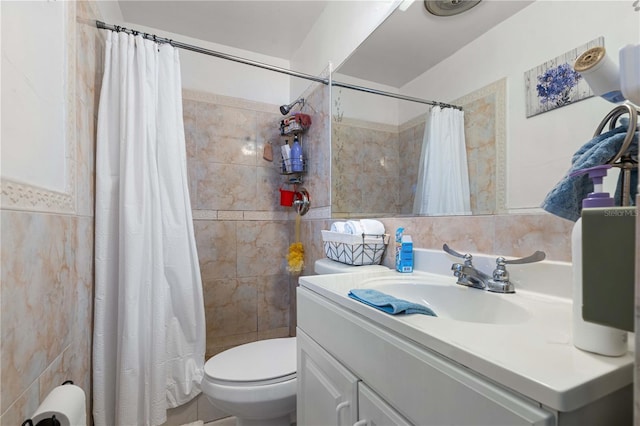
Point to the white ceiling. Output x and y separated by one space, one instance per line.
409 43
403 47
273 28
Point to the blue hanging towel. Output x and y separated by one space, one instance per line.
387 303
565 199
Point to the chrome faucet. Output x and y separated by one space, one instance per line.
498 282
470 276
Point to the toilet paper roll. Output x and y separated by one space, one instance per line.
67 403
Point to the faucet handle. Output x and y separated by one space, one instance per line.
500 274
467 257
535 257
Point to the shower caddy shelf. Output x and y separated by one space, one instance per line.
286 166
291 129
301 198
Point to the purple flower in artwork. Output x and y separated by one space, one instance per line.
554 86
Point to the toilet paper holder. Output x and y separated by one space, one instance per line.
47 422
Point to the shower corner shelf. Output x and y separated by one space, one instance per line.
290 168
294 132
291 127
286 169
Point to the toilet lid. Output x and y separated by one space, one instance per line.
271 360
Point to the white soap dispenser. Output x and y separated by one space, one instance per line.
589 336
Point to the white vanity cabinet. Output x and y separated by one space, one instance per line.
373 411
498 369
413 383
352 371
327 392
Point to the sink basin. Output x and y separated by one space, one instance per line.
453 301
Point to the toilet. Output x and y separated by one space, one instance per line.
255 382
328 266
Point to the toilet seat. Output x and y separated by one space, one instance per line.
253 364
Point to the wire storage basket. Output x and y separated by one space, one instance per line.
291 167
364 249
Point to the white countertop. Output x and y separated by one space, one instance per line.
535 357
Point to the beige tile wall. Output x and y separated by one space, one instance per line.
317 180
514 235
366 168
47 263
410 149
242 231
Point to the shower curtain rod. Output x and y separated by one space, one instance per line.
185 46
394 95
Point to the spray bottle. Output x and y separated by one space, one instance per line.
589 336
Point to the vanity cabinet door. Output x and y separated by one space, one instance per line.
373 411
327 391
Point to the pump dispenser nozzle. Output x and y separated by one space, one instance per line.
597 198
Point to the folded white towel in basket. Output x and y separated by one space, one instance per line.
338 227
372 226
353 227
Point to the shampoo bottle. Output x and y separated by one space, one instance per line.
297 162
589 336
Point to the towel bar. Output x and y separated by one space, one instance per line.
622 159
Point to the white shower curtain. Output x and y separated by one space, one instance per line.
149 327
443 175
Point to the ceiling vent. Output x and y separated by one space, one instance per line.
449 7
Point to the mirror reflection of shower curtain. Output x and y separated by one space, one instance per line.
443 175
149 331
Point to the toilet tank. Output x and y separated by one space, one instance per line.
328 266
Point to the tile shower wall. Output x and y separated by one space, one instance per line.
410 138
317 180
242 231
47 263
366 169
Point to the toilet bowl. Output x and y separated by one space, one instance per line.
255 382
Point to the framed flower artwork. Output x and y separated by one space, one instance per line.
555 83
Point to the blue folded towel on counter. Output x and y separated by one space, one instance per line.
387 303
565 199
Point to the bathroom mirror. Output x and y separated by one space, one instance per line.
375 162
476 60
